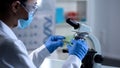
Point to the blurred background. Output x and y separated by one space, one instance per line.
103 17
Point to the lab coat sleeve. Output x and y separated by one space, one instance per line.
72 62
38 55
13 54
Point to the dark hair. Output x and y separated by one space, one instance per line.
4 5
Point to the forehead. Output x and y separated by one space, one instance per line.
31 2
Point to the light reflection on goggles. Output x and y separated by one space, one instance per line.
32 7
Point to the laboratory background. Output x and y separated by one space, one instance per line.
99 22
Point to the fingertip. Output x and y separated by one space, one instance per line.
62 37
72 40
69 46
61 43
59 37
82 40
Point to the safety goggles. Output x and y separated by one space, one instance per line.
32 7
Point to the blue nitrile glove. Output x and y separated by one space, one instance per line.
78 48
54 42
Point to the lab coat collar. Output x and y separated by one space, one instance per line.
7 30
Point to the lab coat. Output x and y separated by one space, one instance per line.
13 53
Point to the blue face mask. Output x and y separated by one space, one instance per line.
24 23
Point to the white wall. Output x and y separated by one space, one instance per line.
68 6
104 17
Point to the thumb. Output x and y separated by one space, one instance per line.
69 46
59 43
57 37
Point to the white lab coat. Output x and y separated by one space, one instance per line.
13 53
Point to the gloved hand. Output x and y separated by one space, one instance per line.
54 42
78 48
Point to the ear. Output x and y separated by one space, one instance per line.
15 6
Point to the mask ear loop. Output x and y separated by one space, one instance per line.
34 9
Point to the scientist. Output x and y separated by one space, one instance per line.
13 53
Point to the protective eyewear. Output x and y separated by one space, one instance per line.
32 7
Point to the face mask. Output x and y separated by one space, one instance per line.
31 9
24 23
